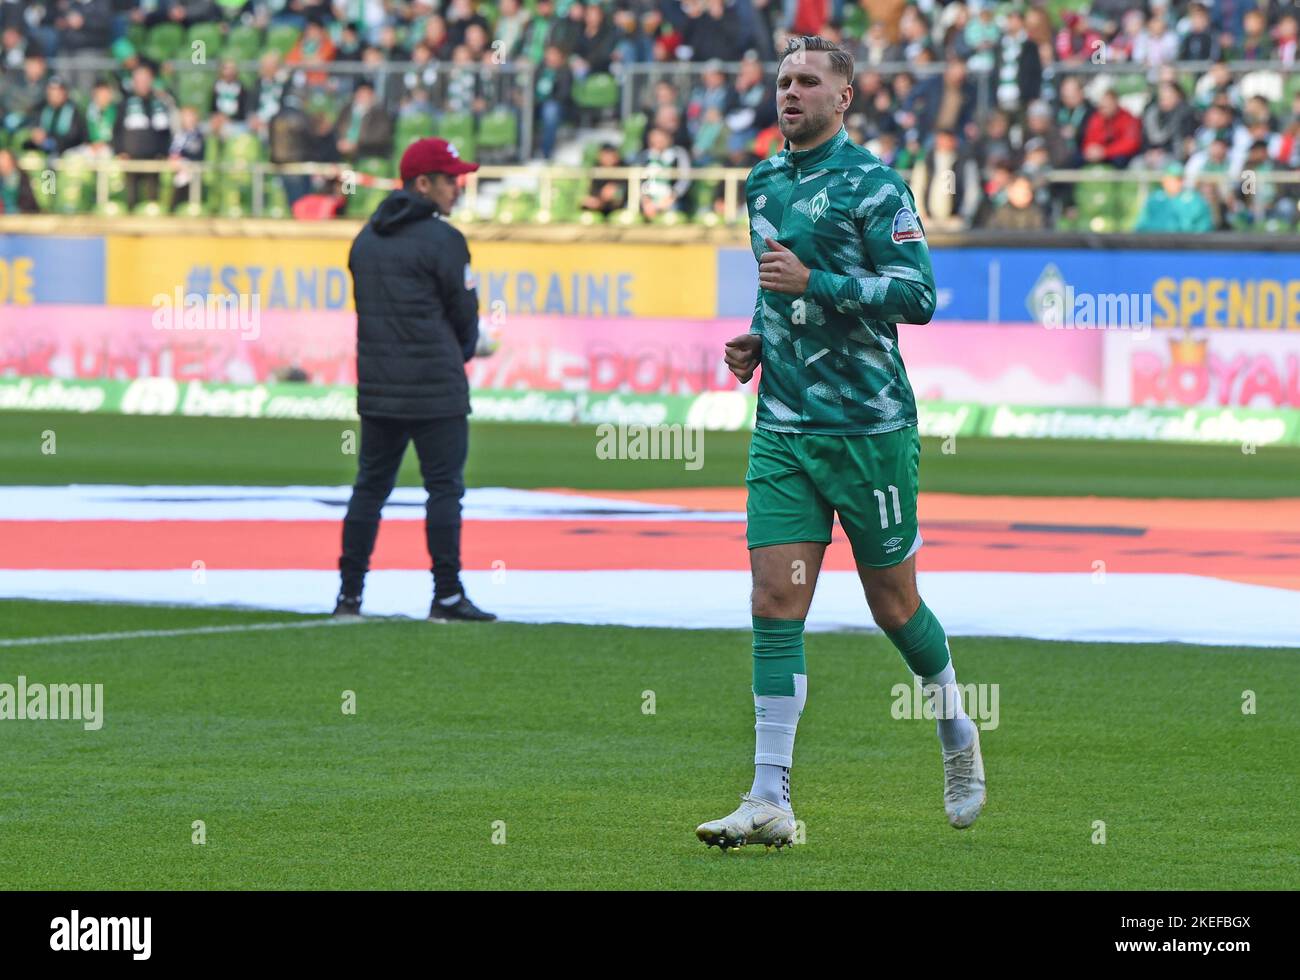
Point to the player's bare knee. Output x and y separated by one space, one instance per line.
892 610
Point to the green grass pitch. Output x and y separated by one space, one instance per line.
462 732
538 732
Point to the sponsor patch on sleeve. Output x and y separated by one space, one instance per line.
907 227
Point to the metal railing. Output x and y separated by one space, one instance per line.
248 189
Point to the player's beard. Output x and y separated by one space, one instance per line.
807 125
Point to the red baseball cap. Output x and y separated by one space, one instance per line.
433 155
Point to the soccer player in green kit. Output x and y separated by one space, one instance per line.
842 261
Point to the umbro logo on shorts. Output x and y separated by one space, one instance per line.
892 544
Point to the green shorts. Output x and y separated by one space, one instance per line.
798 483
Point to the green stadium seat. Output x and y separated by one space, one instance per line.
516 206
210 37
194 88
165 42
149 209
458 128
277 202
411 128
596 94
1096 200
633 134
242 147
498 130
282 38
244 43
138 35
74 187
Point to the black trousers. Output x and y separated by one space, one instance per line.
442 446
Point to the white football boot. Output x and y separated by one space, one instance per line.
755 821
963 784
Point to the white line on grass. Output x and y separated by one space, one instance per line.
31 641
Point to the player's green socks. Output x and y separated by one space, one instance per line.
922 642
924 647
780 693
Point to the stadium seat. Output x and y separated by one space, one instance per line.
633 134
498 130
277 202
1097 202
458 128
282 38
516 206
210 37
165 42
33 163
194 88
411 128
244 43
74 186
595 95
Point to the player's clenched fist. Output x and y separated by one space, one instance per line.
742 355
780 270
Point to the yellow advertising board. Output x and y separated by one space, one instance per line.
307 275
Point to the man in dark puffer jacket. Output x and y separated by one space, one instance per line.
417 325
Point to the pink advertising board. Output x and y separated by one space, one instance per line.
1020 364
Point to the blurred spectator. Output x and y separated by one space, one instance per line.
143 131
537 31
511 25
712 31
364 128
1019 211
1020 72
83 25
1173 207
710 93
16 195
229 96
13 49
1040 125
606 195
753 106
1155 45
993 142
1076 42
946 185
1122 44
57 124
1113 135
660 192
1284 40
187 147
462 92
594 49
272 81
290 140
553 90
461 15
314 49
955 106
101 118
1168 120
981 39
1255 43
1072 115
24 96
1200 42
565 31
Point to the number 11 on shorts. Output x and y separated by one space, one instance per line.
884 514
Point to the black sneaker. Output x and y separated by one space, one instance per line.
348 605
461 610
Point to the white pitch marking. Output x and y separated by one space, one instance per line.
32 641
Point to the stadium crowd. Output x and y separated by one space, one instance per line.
995 97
